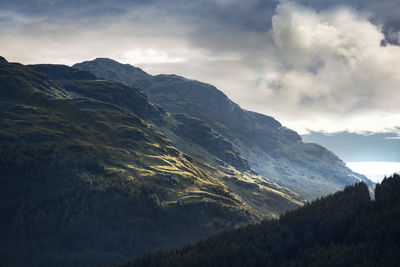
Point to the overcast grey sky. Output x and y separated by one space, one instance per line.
314 65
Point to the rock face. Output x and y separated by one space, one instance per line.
270 149
94 173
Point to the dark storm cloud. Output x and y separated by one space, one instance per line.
208 18
216 12
251 15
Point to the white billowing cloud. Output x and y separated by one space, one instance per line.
334 67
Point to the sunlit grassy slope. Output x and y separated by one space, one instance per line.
90 173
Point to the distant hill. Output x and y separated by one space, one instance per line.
343 229
90 173
270 149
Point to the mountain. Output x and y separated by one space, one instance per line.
193 137
270 149
93 173
344 229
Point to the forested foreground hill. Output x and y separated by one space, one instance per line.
344 229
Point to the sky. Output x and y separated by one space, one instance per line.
318 66
374 155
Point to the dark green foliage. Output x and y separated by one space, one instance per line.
386 191
344 229
50 217
59 206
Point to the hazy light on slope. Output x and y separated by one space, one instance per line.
375 170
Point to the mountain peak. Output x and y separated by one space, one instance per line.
105 59
3 60
110 69
110 62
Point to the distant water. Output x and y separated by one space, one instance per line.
375 170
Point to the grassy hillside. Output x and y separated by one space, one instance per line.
189 135
344 229
87 181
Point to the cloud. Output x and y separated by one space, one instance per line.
313 71
393 36
334 66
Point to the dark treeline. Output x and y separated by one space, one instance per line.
344 229
50 218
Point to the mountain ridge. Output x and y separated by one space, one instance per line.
95 158
271 149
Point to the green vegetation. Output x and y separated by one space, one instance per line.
88 178
343 229
191 136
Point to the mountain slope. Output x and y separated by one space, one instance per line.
271 150
344 229
87 180
193 138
